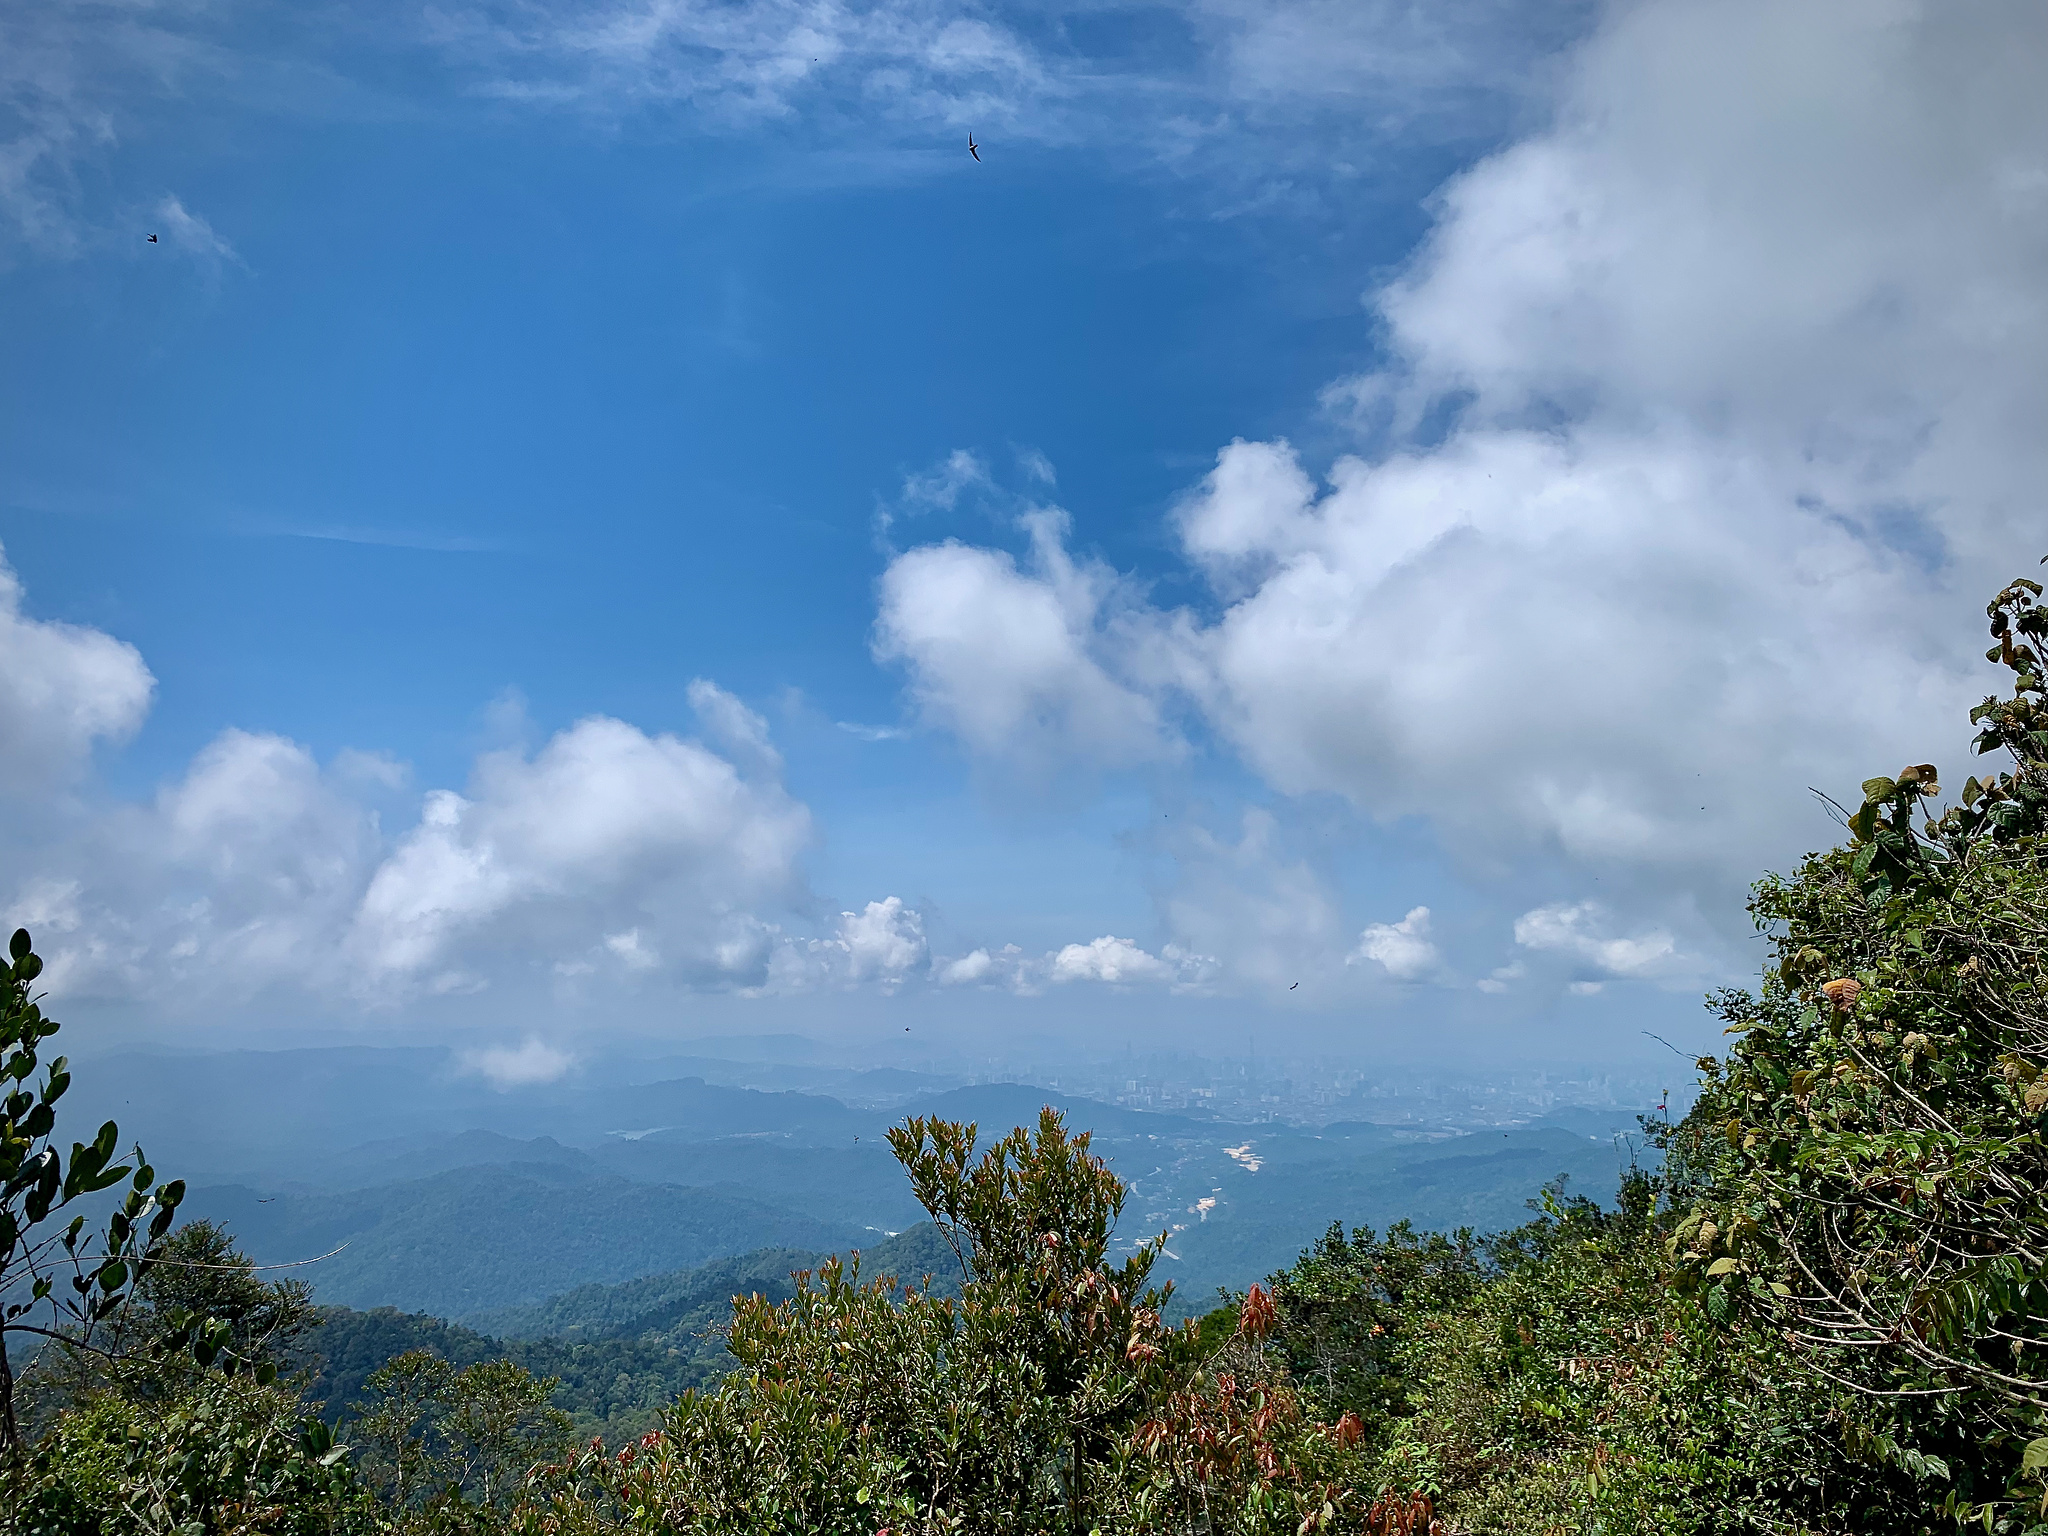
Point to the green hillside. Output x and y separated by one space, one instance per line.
472 1239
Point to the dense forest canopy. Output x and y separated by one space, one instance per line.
1822 1308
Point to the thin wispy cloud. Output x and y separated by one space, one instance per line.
1254 105
186 231
871 732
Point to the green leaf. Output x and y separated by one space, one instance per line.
1720 1267
2035 1458
19 945
105 1179
1880 789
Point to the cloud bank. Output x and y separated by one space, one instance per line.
1708 416
606 862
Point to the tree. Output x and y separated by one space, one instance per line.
1347 1306
451 1443
1878 1175
1031 1223
1048 1397
38 1183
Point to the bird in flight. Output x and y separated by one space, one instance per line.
1295 985
152 239
970 149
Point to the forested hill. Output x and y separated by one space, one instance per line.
619 1352
474 1239
532 1219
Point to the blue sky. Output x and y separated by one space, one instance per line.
1336 494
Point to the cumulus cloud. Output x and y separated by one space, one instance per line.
1107 961
241 874
1402 949
607 849
1120 962
527 1065
604 829
63 688
1502 978
1709 418
644 856
884 942
1015 662
1584 931
975 966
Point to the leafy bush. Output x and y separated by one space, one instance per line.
1047 1396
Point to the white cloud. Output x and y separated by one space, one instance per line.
1275 104
1257 904
1403 949
1502 978
884 939
529 1064
1584 931
1249 105
258 869
190 233
884 942
1711 416
63 688
752 60
74 75
607 851
871 733
1107 959
632 950
975 966
945 483
1014 662
241 875
1120 962
604 829
739 730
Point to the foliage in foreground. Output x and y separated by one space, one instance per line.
1825 1312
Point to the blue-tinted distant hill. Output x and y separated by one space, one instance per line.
1263 1217
299 1115
474 1239
997 1107
457 1198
